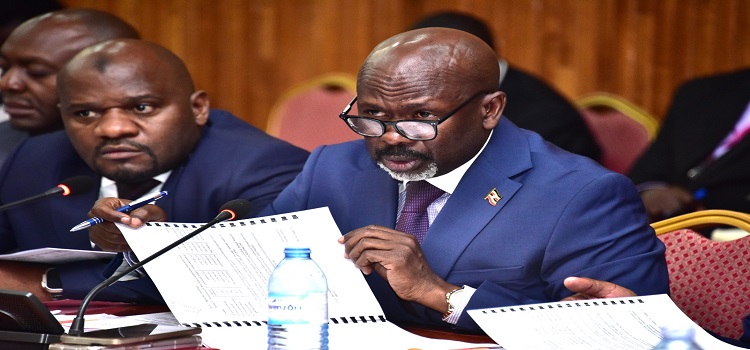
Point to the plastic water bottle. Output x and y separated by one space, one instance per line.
677 337
297 303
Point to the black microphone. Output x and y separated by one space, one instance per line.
70 186
237 208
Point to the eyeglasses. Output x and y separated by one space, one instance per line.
417 130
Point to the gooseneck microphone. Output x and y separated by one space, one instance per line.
237 208
68 187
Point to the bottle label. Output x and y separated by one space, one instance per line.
298 309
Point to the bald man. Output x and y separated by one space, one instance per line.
511 216
30 59
133 120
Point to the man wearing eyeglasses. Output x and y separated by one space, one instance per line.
514 216
448 207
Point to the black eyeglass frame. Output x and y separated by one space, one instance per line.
384 125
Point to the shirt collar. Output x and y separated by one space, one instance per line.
109 189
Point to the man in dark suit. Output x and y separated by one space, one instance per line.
131 115
700 156
514 215
532 103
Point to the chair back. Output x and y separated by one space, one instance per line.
622 129
709 280
307 115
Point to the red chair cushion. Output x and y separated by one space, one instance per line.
709 280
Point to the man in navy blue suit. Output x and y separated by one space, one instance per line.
513 216
517 216
132 116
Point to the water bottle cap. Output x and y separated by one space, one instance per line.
296 250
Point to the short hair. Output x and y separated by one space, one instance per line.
460 21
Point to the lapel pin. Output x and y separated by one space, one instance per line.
493 197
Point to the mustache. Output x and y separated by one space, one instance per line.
400 151
136 145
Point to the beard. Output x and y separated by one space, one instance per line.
427 173
126 174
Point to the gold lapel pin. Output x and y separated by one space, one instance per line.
493 197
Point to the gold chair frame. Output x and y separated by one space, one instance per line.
638 114
702 219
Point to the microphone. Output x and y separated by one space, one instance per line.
237 208
70 186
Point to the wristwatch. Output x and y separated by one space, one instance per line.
452 298
52 284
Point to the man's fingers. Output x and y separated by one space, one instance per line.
583 285
589 288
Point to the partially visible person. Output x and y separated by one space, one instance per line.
699 158
133 119
532 103
12 14
30 59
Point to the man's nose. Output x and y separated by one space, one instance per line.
11 80
116 123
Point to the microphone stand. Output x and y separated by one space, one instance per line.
76 328
70 186
26 200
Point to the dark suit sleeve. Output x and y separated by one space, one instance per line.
7 239
80 277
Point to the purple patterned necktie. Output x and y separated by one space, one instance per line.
414 219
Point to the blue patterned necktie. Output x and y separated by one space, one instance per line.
414 219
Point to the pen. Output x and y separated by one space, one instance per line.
124 209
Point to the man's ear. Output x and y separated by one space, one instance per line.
493 109
200 104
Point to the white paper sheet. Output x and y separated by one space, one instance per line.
618 323
221 276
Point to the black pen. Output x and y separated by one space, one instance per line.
124 209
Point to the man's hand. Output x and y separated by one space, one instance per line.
397 258
662 203
589 288
106 235
23 277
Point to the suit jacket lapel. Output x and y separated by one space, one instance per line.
467 211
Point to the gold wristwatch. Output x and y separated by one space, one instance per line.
451 298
